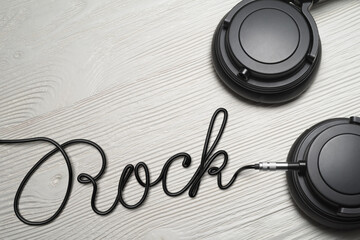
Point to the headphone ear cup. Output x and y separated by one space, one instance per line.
267 50
322 196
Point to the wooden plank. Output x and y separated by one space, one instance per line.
136 77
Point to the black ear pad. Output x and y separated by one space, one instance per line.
267 50
328 191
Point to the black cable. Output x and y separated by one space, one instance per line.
208 156
58 148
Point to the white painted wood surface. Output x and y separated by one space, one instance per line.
136 77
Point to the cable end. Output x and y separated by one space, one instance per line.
273 166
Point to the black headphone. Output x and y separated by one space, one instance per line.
326 185
267 50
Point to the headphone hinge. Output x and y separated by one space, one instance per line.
300 2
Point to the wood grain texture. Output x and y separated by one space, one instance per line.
136 77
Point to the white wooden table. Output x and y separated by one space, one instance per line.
136 77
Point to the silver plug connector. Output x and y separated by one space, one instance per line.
273 166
